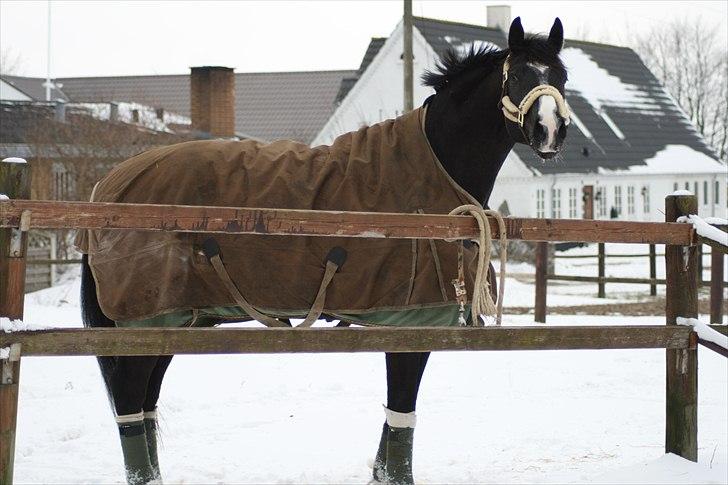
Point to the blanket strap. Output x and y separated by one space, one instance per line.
334 260
212 252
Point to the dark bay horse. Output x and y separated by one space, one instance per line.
485 101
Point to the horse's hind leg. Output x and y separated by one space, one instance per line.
150 411
129 383
393 463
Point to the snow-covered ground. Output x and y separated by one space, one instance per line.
484 417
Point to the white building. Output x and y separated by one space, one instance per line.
629 144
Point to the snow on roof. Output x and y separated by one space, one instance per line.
600 88
147 115
677 159
14 160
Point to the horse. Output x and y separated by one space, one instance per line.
486 100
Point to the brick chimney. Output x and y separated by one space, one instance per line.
499 17
212 100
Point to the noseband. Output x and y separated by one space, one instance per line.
517 114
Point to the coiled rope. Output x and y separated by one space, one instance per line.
482 301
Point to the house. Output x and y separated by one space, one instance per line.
629 144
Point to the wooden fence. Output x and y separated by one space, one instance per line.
716 282
18 216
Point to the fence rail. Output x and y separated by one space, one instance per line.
281 222
167 341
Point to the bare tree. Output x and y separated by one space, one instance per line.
10 62
689 58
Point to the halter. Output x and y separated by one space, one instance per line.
517 114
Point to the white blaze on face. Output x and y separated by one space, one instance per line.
547 111
548 118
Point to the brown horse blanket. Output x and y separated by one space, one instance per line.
387 167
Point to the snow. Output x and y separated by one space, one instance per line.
668 469
4 197
704 332
147 114
601 89
14 160
678 159
705 229
716 221
682 192
7 325
483 417
4 352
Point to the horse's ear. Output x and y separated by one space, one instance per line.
556 36
515 34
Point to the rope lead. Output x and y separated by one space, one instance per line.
482 300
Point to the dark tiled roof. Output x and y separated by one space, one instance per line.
33 87
269 105
646 133
442 35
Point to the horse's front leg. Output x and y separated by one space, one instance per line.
393 463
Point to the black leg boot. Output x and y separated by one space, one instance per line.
399 456
134 446
398 461
150 429
380 461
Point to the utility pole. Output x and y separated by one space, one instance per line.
48 85
407 56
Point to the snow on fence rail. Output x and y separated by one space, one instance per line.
17 216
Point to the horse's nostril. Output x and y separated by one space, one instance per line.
562 129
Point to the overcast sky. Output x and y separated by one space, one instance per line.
167 37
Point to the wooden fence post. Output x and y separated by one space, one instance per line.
681 264
542 263
601 293
653 270
716 286
15 183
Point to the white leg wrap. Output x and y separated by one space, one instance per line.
130 418
400 420
150 414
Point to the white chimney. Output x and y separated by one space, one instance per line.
499 17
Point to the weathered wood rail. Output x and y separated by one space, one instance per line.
17 216
167 341
282 222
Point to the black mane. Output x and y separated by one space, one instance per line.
534 48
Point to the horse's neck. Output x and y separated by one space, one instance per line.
472 153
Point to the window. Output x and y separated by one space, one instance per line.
674 187
601 202
630 199
572 203
556 203
646 200
687 185
705 192
695 192
717 192
540 203
618 199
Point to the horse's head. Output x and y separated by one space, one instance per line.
533 90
